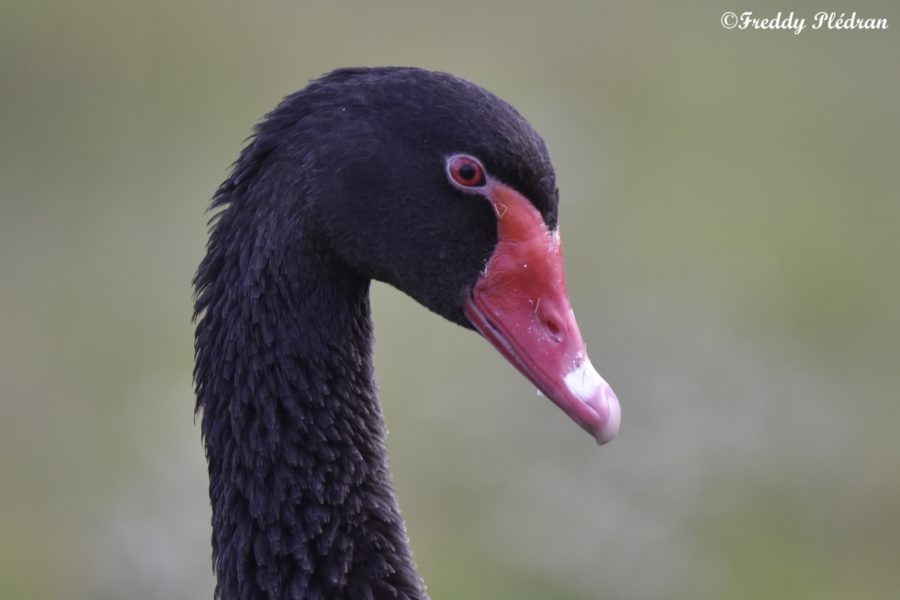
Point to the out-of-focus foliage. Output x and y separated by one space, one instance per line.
731 217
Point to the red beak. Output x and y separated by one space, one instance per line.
520 304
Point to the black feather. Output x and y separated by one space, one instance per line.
343 182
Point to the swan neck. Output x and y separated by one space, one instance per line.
302 502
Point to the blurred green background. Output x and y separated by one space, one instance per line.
731 217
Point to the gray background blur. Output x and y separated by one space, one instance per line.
730 213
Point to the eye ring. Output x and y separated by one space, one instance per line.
466 171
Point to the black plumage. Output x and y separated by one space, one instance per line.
342 183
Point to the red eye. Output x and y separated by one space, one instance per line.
466 171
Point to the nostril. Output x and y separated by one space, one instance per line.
551 321
554 328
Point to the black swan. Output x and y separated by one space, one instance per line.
410 177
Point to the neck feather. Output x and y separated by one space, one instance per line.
302 504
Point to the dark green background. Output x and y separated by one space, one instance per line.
731 218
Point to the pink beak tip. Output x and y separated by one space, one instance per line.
589 387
